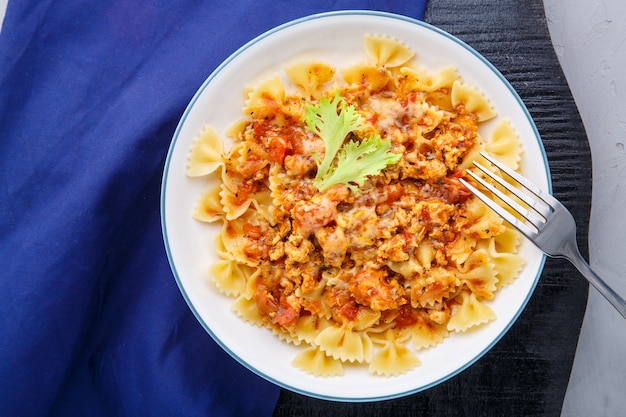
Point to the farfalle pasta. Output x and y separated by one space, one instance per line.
364 265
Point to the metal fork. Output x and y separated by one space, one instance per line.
546 222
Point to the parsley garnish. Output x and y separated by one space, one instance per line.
333 120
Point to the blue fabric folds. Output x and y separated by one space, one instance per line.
91 320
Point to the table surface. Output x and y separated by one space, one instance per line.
590 43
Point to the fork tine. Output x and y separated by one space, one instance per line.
544 197
529 201
515 222
530 216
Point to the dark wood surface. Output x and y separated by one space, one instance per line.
527 372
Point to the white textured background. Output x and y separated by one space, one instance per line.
3 7
589 38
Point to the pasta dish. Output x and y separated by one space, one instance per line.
344 227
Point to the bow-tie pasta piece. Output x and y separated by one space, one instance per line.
248 311
470 313
479 275
387 51
408 268
309 326
486 223
265 99
345 343
425 333
316 362
433 286
365 319
240 238
310 77
504 257
208 208
504 144
394 358
205 153
312 292
473 99
230 276
367 76
262 203
437 85
236 131
235 194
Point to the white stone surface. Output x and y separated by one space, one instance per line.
3 8
589 38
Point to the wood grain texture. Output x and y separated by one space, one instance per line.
526 373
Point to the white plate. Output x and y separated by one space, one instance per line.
336 38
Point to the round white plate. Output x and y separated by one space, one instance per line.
336 38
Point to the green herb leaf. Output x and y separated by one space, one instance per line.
333 120
356 160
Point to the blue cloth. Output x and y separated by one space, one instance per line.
91 320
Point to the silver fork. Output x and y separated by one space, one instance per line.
547 223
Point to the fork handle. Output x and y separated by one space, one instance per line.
598 283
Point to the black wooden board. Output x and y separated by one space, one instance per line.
527 372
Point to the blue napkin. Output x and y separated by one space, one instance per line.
91 320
